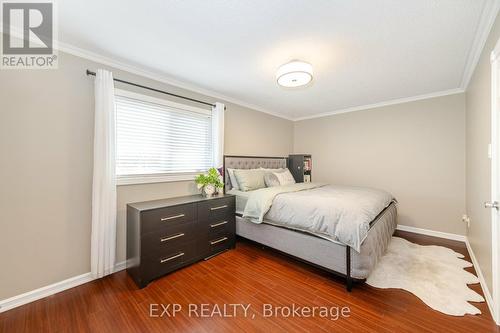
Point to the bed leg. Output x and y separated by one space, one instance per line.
348 268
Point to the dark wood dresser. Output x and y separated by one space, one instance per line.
165 235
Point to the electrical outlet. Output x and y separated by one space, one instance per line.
466 219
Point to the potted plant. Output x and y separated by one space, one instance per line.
209 183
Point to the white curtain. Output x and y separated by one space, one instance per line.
103 239
218 133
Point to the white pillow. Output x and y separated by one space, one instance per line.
232 177
250 179
285 178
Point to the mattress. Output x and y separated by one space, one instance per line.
242 197
333 212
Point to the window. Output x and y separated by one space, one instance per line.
158 140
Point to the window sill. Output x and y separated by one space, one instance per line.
151 179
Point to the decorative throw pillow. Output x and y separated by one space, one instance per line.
271 180
249 180
232 178
285 178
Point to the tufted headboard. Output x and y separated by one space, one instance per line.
250 162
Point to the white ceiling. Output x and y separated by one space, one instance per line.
362 52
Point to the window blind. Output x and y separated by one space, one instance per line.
155 139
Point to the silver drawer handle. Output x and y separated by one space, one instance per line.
171 237
173 217
220 207
218 241
217 224
171 258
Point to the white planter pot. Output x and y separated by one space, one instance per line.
208 190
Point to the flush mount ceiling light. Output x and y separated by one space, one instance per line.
294 74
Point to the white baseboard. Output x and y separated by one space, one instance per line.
486 291
433 233
120 266
39 293
49 290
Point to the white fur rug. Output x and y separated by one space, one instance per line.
435 274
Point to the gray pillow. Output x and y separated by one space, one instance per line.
271 180
249 180
285 178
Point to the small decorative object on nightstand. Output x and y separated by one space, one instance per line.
165 235
300 166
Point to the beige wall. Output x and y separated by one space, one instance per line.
478 165
46 135
414 150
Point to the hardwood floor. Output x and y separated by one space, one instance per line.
248 275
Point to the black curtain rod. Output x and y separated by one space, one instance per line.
157 90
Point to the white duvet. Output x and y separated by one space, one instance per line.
339 213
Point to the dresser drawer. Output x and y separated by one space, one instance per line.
216 228
170 237
219 243
216 210
167 261
165 218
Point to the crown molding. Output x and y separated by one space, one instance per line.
133 69
488 16
486 22
385 103
70 49
495 53
127 67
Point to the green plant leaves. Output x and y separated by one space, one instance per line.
212 177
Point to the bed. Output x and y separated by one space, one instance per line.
353 262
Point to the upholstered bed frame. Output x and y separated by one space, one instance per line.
331 256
